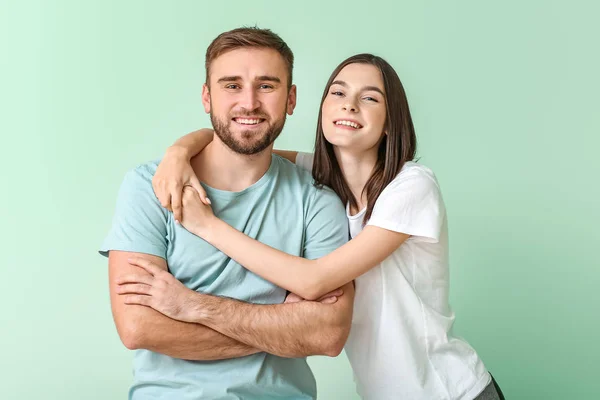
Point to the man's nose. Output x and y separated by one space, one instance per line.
249 100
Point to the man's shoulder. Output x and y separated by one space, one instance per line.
292 172
142 174
303 179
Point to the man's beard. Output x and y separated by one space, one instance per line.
247 145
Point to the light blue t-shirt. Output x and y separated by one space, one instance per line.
284 210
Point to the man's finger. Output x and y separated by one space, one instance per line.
329 300
336 292
133 288
144 264
139 299
134 278
293 298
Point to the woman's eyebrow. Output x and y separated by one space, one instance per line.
373 88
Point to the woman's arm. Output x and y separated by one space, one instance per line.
193 143
288 155
308 278
174 171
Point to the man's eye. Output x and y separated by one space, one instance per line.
265 86
232 86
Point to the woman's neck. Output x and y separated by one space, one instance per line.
357 169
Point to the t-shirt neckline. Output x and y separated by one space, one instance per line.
225 194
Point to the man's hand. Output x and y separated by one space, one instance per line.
164 293
329 298
160 291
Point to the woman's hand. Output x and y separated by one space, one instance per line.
174 173
197 217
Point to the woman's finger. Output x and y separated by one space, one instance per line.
195 183
164 197
176 201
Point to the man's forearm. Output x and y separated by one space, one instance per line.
288 330
141 327
156 332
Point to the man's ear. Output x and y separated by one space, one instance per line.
291 100
206 98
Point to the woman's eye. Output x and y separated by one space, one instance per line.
371 99
337 93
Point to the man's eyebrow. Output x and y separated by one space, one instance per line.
229 79
234 78
268 78
373 88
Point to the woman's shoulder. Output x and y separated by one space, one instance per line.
413 171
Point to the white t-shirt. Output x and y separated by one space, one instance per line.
401 345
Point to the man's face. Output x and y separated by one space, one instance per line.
248 98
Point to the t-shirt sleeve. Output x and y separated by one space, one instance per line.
305 160
412 204
326 224
140 222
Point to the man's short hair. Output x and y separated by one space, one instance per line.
249 37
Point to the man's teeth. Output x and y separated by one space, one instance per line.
348 123
247 121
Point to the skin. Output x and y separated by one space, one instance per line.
355 98
248 83
357 94
248 101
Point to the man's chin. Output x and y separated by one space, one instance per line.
249 148
257 130
246 141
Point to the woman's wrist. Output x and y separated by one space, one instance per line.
179 152
206 229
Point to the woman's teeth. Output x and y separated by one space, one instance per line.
348 123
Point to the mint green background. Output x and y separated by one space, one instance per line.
505 101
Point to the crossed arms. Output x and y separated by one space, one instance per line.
205 327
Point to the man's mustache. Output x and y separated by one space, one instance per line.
254 114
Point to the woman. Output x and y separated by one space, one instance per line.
400 345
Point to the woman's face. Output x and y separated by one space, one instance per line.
354 110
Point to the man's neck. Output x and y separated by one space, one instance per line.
357 169
221 168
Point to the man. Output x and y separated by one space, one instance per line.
222 332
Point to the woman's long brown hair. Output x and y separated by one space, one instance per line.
398 146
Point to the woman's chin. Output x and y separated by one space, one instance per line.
340 140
